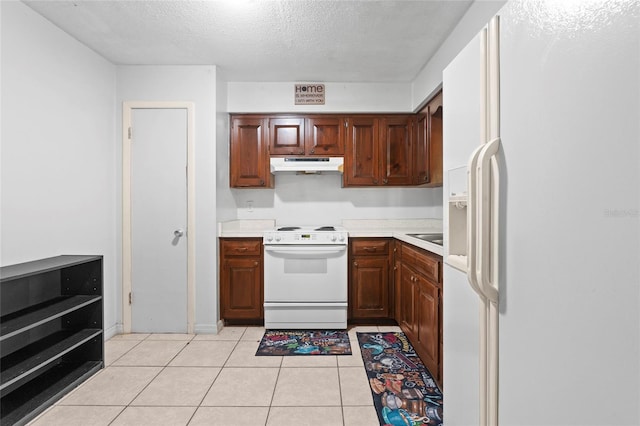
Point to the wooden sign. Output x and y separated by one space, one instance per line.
309 94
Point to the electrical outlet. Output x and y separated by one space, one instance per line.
249 206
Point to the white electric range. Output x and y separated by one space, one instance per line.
305 277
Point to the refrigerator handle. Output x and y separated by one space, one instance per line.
472 203
487 244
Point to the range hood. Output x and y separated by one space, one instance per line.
308 165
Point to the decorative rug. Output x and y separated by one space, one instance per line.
304 342
404 392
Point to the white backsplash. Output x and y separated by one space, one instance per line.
320 199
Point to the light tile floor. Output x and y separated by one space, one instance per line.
181 379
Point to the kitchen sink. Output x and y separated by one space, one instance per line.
430 238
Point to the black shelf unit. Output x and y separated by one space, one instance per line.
51 332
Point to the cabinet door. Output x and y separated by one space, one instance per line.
421 150
362 163
241 288
286 136
396 142
435 140
428 336
325 136
249 165
407 302
370 287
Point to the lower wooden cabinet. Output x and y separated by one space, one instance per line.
241 280
420 304
370 280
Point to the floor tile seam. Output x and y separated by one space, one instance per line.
119 413
146 386
340 394
209 388
224 364
273 393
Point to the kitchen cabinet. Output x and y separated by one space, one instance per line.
325 135
395 146
249 155
51 332
379 150
362 164
370 295
421 304
313 135
428 146
241 280
286 136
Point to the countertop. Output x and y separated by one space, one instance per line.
367 228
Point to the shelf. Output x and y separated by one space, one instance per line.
38 267
35 396
40 314
21 364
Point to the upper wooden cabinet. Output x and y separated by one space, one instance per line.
361 160
307 135
249 155
286 136
379 150
396 155
325 135
428 147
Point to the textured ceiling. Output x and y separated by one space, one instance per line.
265 40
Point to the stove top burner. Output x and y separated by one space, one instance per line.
325 228
288 228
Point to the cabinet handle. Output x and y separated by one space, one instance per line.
385 181
255 263
301 152
355 264
261 182
313 151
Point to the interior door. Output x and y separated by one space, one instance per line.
158 220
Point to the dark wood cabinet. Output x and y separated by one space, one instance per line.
52 332
362 163
420 316
428 146
241 280
370 294
379 151
396 154
249 155
325 135
286 136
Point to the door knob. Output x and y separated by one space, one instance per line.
178 233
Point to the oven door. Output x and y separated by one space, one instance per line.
305 273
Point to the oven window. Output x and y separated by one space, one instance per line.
305 266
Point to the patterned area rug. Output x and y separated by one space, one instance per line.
404 392
303 342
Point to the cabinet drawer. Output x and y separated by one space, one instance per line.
369 247
241 247
423 263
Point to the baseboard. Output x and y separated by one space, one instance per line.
208 328
112 331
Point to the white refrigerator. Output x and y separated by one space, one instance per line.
550 224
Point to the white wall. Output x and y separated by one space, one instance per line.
320 199
58 184
429 80
194 84
339 97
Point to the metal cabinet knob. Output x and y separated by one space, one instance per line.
178 233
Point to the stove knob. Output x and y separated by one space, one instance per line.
269 237
278 238
334 237
341 237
